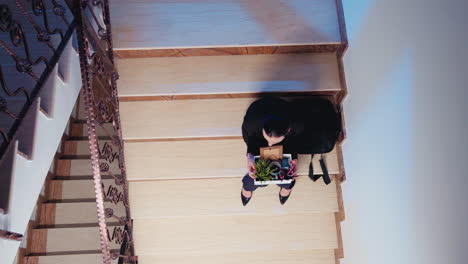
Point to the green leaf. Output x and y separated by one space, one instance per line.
263 170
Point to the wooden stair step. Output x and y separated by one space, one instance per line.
172 24
235 234
82 167
80 147
201 159
69 259
74 189
183 118
79 129
79 213
321 256
81 111
67 240
211 197
145 78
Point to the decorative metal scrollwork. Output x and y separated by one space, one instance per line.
100 93
33 61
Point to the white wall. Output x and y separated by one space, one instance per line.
406 154
38 137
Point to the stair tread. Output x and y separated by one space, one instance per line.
79 146
321 256
200 159
152 199
183 118
73 239
172 24
228 75
208 118
77 189
79 129
83 213
70 259
231 234
314 256
82 167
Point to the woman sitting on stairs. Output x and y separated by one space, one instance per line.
268 122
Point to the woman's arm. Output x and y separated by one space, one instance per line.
251 165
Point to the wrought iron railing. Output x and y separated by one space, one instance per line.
99 77
33 34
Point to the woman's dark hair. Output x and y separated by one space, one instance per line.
276 126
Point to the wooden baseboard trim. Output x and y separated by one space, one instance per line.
37 240
30 260
339 252
339 153
219 51
339 217
77 129
54 190
21 256
63 167
341 95
47 212
338 255
222 96
341 22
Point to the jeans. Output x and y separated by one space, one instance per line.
249 184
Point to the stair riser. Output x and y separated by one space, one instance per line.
82 167
81 130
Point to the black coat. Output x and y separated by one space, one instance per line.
252 126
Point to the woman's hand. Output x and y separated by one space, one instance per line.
294 168
251 165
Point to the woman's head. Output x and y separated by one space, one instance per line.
275 129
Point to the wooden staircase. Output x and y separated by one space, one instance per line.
65 229
188 71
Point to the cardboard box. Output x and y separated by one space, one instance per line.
285 166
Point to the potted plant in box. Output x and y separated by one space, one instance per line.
263 170
273 171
